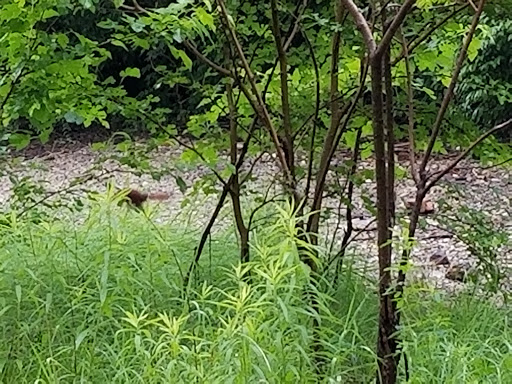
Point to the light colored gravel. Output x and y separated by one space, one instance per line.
487 190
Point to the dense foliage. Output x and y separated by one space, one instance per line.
229 82
104 306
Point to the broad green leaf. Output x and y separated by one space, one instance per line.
186 60
350 138
44 136
353 65
98 146
210 155
73 117
49 13
204 17
367 129
137 26
119 43
141 43
131 72
62 40
189 156
19 140
473 48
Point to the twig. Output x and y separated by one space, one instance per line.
260 106
285 103
410 101
315 119
342 250
449 92
497 164
417 41
299 12
393 27
438 176
204 59
136 8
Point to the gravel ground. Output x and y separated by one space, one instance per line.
485 190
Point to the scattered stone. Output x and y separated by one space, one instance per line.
427 206
439 258
457 273
490 191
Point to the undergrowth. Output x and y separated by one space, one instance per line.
101 301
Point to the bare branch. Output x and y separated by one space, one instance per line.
260 105
393 27
410 102
315 118
473 5
136 8
362 25
299 11
417 41
285 105
204 59
449 92
438 176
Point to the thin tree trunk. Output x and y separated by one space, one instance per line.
390 136
386 344
330 138
285 104
234 191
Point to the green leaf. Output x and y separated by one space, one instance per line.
73 117
473 48
44 136
19 140
367 129
119 44
62 40
210 156
204 17
189 156
49 13
87 4
353 65
141 43
181 184
81 336
138 26
98 146
131 72
295 77
186 60
350 138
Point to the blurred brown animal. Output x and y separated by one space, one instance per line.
137 198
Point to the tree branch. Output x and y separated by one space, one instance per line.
417 41
285 105
410 102
261 108
449 92
393 27
362 25
438 176
204 59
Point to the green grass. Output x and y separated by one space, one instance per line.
101 302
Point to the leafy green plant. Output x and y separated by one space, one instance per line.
485 242
101 300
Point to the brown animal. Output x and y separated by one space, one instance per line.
137 197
